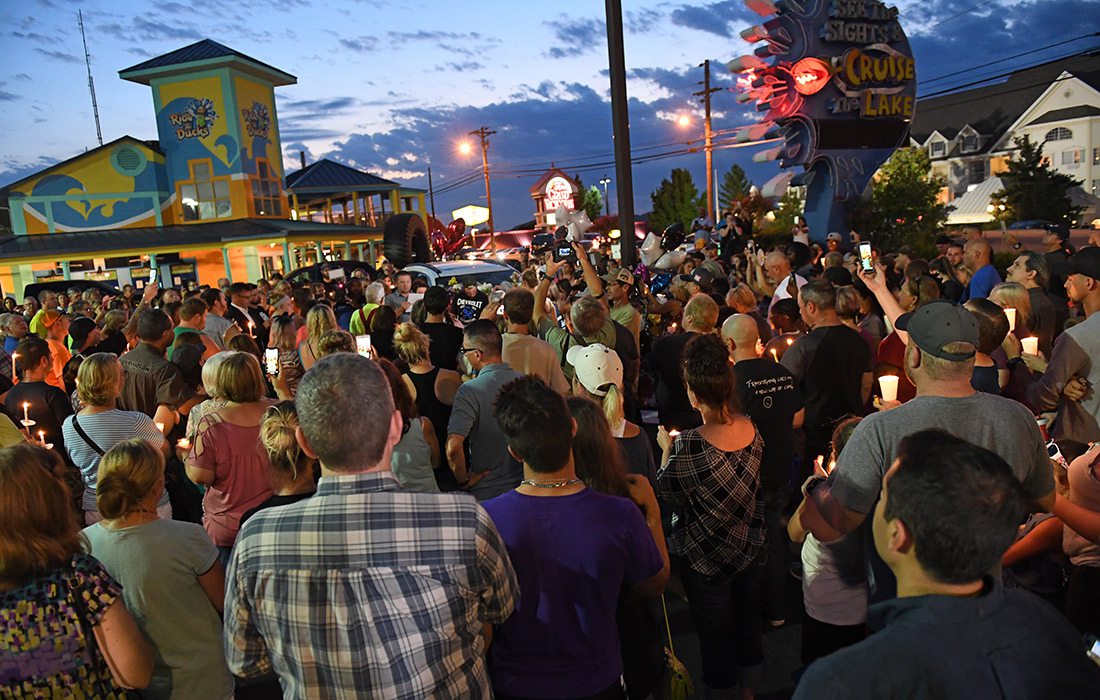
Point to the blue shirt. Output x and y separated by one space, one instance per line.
472 418
367 590
1002 644
981 284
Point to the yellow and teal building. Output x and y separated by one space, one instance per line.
208 199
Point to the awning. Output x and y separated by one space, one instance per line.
49 247
973 207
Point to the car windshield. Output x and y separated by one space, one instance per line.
493 277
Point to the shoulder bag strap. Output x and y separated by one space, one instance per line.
84 436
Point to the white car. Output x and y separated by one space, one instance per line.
450 273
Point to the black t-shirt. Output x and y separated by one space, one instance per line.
828 364
446 342
468 309
274 502
769 396
49 407
673 407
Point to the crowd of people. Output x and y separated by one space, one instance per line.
374 488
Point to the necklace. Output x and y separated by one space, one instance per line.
550 484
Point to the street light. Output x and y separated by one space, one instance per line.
605 181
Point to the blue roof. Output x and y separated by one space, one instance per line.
328 175
204 50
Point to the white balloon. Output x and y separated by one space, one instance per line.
579 224
672 260
651 249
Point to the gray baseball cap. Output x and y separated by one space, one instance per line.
940 323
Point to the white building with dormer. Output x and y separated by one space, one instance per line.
969 133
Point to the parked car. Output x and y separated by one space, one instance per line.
458 272
320 272
63 286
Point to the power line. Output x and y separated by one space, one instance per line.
1009 58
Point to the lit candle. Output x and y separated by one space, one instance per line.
889 385
790 341
183 444
1030 345
252 329
160 426
1011 313
26 418
14 374
673 433
775 355
42 436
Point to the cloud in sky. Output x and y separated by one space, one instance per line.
575 37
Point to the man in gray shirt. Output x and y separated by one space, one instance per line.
399 297
939 359
492 470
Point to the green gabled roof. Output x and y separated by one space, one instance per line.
203 54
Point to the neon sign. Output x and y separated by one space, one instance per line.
810 75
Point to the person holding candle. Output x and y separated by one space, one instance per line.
57 329
171 577
32 398
154 386
1075 355
1032 272
100 425
239 296
15 329
768 395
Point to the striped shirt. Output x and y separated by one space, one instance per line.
366 590
106 430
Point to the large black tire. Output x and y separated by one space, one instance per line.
405 240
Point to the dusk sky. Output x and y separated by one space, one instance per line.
391 87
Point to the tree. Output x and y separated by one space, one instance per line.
787 209
735 186
903 207
675 199
1033 190
593 202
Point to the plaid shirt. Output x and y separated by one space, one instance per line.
365 590
718 507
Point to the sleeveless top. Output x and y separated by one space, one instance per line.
427 404
412 460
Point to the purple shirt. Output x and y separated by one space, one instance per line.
572 556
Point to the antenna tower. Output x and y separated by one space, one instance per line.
91 83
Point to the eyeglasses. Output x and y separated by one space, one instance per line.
465 350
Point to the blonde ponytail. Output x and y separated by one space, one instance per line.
613 405
127 473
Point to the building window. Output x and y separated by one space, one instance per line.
1072 157
976 171
1096 156
939 148
266 198
204 196
1059 134
970 143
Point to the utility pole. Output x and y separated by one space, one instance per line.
484 133
91 84
708 135
605 181
431 191
620 120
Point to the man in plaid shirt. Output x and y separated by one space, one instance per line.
365 590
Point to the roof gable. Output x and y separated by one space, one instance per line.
1060 115
152 146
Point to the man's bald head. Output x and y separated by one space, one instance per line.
741 330
977 253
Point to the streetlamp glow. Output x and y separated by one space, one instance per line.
683 121
605 181
465 148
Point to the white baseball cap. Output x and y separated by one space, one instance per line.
596 366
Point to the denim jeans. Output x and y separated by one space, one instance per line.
726 612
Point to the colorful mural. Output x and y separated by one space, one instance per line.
121 185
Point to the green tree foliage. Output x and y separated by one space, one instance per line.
735 186
593 202
903 209
675 199
1034 190
787 209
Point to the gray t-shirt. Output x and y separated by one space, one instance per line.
998 424
158 565
472 417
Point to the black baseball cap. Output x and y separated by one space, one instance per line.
80 329
938 324
703 277
1084 262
